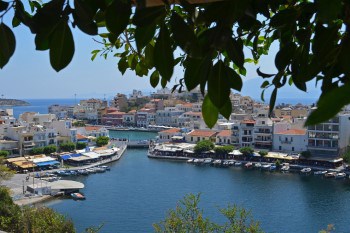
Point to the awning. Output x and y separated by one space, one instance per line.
65 157
48 163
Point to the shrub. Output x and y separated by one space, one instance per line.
68 146
80 145
246 150
263 153
203 146
102 141
306 154
223 149
4 153
346 157
37 151
50 149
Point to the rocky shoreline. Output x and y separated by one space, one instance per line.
13 102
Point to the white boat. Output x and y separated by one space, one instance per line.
257 165
190 161
330 174
285 168
237 164
305 170
207 161
320 173
248 165
266 166
231 162
217 162
340 175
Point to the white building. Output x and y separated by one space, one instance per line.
291 140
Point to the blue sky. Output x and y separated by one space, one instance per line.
29 74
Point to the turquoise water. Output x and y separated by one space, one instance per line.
138 191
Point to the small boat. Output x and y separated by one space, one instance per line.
231 162
320 173
77 196
217 162
257 165
305 170
237 164
285 168
330 174
340 175
273 168
207 161
226 163
90 170
248 165
190 161
99 169
105 167
266 166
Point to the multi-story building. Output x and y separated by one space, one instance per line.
200 135
167 135
291 140
92 131
36 118
168 116
120 102
61 111
263 133
129 119
331 138
113 118
246 133
224 137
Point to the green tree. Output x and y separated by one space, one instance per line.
79 124
68 146
223 150
102 141
346 157
246 151
81 145
263 153
306 154
4 153
203 146
188 217
50 149
313 39
37 151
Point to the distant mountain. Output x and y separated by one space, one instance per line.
13 102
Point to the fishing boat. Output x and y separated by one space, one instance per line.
257 165
237 164
273 167
217 162
77 196
105 167
340 175
190 161
207 161
305 170
320 173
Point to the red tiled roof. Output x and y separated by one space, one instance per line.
79 136
225 133
293 132
172 130
194 113
248 122
91 128
203 133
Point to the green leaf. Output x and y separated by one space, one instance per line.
3 5
163 54
263 75
183 35
344 56
272 101
226 110
42 41
234 80
329 105
15 22
123 65
218 85
284 56
210 112
143 35
283 17
148 15
197 71
265 84
327 12
117 16
154 80
7 44
262 95
234 49
88 27
61 46
163 82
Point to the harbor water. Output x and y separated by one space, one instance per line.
139 191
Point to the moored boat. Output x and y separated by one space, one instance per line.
217 162
77 196
330 174
237 164
257 165
285 168
340 175
320 173
266 166
273 167
207 161
190 161
305 170
248 165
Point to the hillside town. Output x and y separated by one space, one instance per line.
178 118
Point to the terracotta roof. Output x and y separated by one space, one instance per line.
293 132
224 133
248 122
79 136
172 130
194 113
203 133
91 128
188 105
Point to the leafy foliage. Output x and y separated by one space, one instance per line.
102 141
5 172
37 151
246 151
313 39
78 124
223 150
68 146
4 153
346 157
50 149
188 217
263 153
203 146
80 145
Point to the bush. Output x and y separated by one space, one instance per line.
203 146
278 163
81 145
346 157
306 154
223 150
50 149
263 153
4 153
37 151
246 150
69 146
102 141
79 124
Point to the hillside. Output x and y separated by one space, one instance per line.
13 102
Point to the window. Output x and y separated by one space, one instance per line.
191 139
280 148
292 148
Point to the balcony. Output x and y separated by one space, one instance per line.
286 142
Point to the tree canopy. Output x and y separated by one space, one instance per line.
102 141
203 146
217 39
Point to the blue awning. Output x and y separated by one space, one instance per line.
48 163
75 155
65 157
